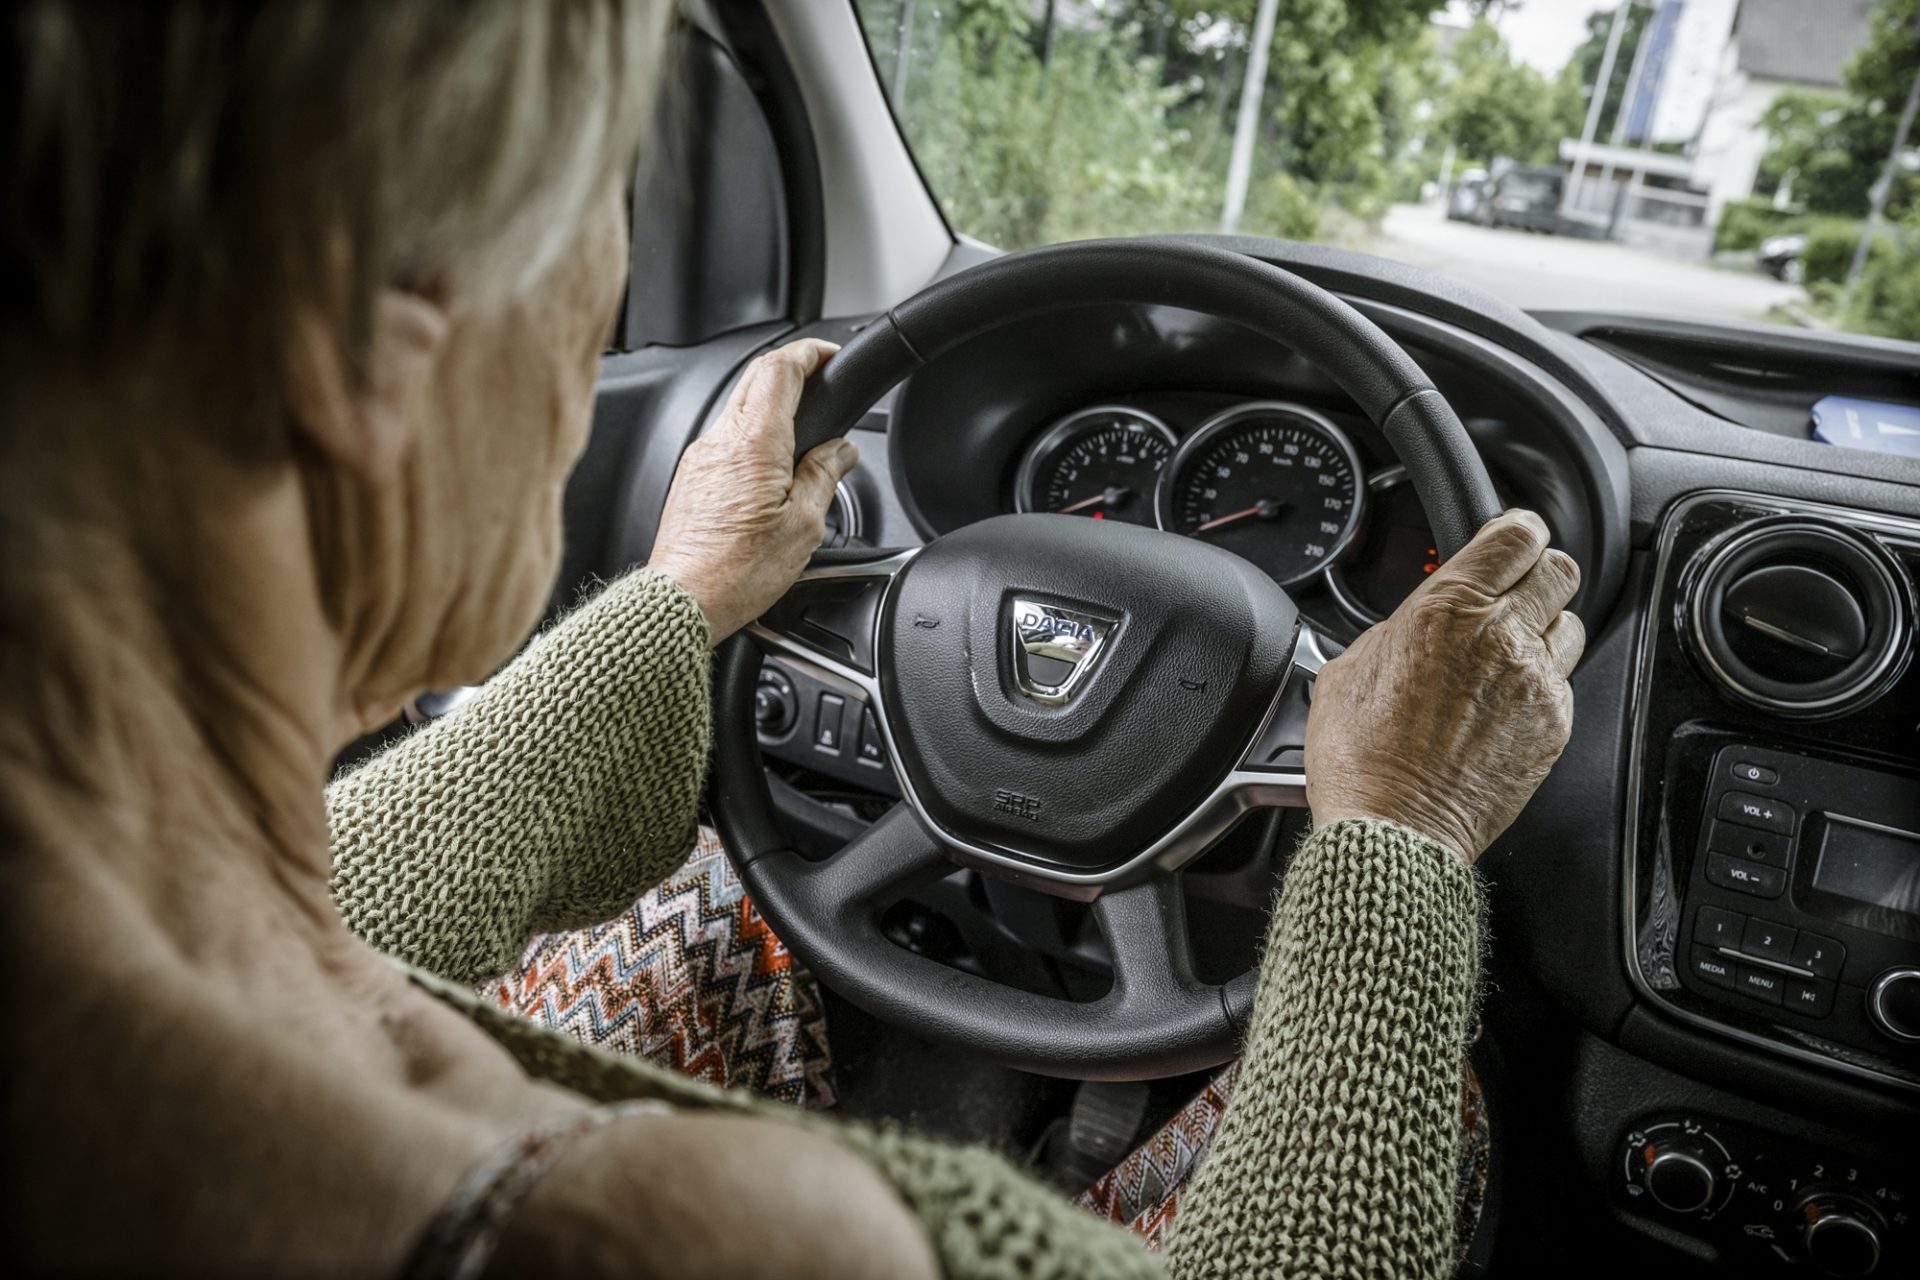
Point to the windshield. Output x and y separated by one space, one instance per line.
1665 141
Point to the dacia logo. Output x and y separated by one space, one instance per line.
1055 625
1053 648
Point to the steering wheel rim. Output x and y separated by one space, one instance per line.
957 712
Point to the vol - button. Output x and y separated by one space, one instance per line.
1752 811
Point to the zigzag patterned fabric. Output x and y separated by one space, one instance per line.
690 977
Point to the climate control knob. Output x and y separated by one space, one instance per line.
1842 1235
1680 1177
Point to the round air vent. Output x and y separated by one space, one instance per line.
1799 616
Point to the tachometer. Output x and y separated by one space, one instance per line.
1102 462
1275 483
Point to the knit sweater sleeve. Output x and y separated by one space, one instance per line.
1336 1156
549 801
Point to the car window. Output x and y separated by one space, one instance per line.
1751 161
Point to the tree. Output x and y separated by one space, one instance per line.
1496 106
1835 146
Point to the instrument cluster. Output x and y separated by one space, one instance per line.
1276 482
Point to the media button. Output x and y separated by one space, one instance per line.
1754 811
1742 876
1711 968
1757 774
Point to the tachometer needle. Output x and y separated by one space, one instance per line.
1266 508
1109 497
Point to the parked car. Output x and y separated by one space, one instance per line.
1525 196
1783 256
1468 196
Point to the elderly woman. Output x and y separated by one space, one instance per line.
302 310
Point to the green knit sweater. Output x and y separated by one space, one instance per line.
568 786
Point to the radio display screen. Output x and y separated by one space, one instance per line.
1872 866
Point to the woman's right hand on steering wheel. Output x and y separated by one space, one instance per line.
742 519
1446 717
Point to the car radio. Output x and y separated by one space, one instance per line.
1804 901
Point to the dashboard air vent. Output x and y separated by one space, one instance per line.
1803 617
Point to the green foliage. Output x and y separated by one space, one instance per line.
1830 246
1887 301
1495 106
1745 223
1832 147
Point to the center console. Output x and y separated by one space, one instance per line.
1772 876
1773 881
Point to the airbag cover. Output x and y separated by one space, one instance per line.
1196 642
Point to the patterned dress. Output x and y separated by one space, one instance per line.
693 978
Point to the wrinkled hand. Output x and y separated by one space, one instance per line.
1447 716
742 519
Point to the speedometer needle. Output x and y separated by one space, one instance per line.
1111 497
1266 508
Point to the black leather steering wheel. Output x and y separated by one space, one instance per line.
1080 706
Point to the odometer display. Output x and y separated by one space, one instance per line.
1103 462
1277 484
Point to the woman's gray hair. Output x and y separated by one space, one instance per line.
195 173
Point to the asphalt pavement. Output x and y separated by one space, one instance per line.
1544 272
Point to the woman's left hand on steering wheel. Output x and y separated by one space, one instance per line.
742 519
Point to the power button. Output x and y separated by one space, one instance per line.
1757 774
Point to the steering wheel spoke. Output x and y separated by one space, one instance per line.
829 617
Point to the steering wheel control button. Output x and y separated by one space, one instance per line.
775 708
1745 877
1768 941
1712 968
1814 999
1822 957
1757 811
1894 1003
1749 842
1718 927
871 750
1759 984
1755 775
827 728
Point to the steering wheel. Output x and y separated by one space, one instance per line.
1079 706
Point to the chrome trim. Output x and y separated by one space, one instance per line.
1219 422
1027 639
1711 1178
1244 788
1885 670
1894 526
1876 997
852 515
1054 437
1343 598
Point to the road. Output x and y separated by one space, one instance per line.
1541 272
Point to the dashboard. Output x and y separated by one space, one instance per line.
1714 1024
1170 419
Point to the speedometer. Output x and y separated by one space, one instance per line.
1274 483
1102 462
